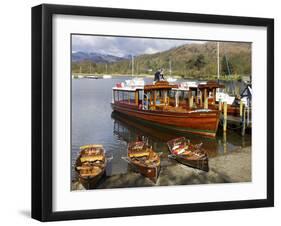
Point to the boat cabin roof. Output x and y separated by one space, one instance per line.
155 87
159 85
210 85
128 88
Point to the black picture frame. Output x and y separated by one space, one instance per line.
42 111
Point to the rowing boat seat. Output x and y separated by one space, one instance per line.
92 158
139 154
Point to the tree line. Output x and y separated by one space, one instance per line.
191 60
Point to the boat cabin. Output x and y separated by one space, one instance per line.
192 95
146 97
209 90
165 96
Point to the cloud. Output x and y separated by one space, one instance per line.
123 46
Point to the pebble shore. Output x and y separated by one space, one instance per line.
232 167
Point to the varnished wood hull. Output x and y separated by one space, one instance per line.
151 173
202 164
202 123
90 182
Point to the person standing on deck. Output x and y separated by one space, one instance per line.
157 75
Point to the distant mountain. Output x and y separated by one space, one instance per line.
95 57
199 60
189 60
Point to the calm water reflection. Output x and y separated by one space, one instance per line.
94 122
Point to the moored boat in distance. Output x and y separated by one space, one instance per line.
171 79
188 154
158 105
144 160
106 76
90 165
77 76
92 77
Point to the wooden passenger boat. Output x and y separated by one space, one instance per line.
90 164
188 154
152 104
144 160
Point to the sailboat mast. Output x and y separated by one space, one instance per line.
218 60
170 67
132 65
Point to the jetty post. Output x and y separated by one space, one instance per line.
224 116
224 142
243 120
241 108
248 116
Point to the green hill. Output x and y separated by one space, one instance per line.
190 60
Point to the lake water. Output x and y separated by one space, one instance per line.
93 122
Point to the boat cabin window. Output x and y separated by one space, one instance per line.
127 96
155 99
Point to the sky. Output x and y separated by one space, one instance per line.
123 46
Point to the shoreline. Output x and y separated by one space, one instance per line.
225 168
205 78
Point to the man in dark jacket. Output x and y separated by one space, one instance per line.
157 75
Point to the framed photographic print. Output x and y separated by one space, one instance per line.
145 112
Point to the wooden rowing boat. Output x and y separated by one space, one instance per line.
90 164
188 154
144 160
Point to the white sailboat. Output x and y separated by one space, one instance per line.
106 76
170 78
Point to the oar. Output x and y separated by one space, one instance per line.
159 153
109 158
172 156
125 159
